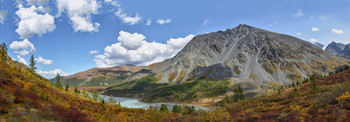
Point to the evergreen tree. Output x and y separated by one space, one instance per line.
164 108
102 106
298 83
314 86
85 94
67 86
95 94
112 100
76 90
293 84
175 109
58 81
32 63
3 52
239 95
279 90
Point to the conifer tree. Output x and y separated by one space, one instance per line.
67 86
85 94
314 86
76 90
58 81
164 108
175 109
239 95
95 94
32 63
112 100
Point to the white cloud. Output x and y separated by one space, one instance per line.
93 52
131 41
3 14
33 23
298 33
313 40
149 22
43 61
20 59
207 21
22 47
79 12
337 31
37 2
130 20
315 29
162 21
112 2
134 49
299 13
52 73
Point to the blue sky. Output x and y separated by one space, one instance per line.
117 32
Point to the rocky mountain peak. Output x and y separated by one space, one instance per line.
246 55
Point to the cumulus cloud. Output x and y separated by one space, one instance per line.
93 52
20 59
337 31
22 47
52 73
43 61
315 29
128 19
298 33
33 23
313 40
37 2
132 48
3 14
79 12
162 21
299 13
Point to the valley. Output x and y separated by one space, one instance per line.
242 74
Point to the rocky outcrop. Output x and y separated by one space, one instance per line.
335 48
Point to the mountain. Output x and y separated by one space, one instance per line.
335 48
346 51
319 45
101 76
252 57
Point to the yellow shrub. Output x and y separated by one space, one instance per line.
345 96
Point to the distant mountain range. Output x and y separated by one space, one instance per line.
101 76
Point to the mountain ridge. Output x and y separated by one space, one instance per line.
246 53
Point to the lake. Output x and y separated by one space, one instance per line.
135 103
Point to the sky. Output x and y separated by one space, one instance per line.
70 36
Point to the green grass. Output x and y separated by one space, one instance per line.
148 90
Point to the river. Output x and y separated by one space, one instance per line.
135 103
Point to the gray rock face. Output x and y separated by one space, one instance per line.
335 48
346 51
247 55
319 45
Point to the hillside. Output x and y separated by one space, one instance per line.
251 57
323 99
101 76
27 96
